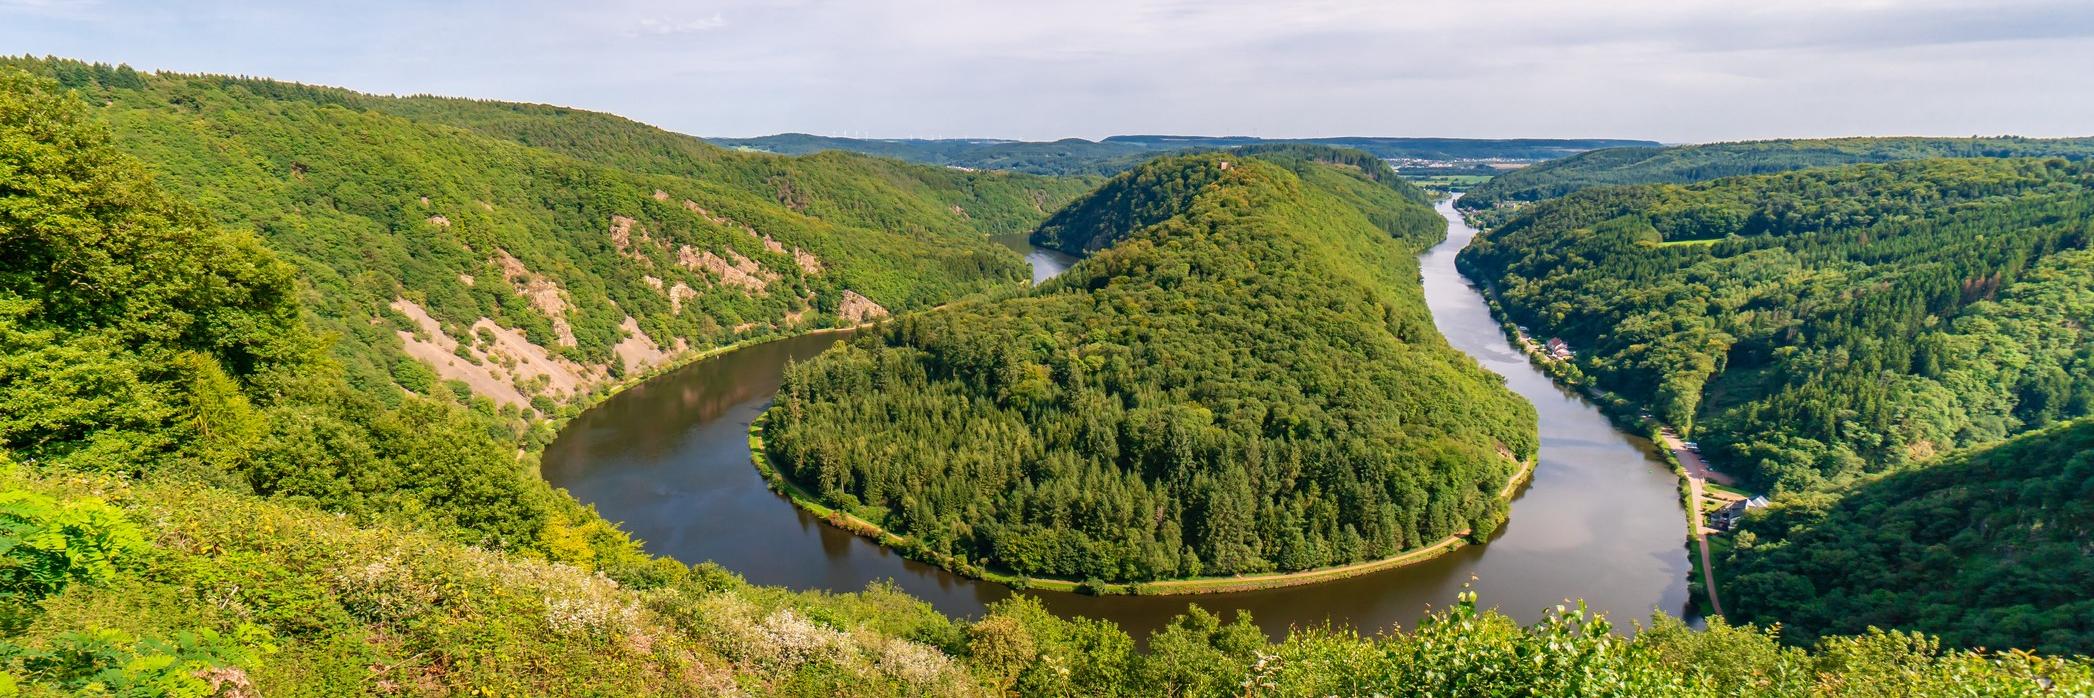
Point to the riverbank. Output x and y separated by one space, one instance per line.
604 392
851 523
1630 417
599 394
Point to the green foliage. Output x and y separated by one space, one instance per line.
1244 379
1837 322
137 337
1985 548
1466 651
124 314
116 663
46 545
1695 163
282 600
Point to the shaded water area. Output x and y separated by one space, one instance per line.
1046 263
1601 521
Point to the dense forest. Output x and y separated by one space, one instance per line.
1242 377
526 255
1987 548
1076 156
1696 163
196 501
1816 326
1830 334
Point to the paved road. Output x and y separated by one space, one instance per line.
1697 471
1701 538
1692 461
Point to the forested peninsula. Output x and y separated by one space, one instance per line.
1241 378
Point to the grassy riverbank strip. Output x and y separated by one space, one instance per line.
856 525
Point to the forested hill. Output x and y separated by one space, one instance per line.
1987 548
1243 377
1830 334
1695 163
528 254
1147 196
1814 326
1076 156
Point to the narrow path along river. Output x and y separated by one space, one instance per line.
1601 521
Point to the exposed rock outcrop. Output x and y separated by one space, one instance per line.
637 351
543 293
807 261
743 271
858 309
500 369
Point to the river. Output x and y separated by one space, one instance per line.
1601 520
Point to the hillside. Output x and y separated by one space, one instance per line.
1242 377
1076 156
1696 163
530 255
195 502
1815 326
1986 548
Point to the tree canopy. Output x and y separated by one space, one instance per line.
1986 548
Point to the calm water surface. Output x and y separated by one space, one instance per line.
669 460
1046 263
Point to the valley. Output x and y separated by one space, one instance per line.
313 391
1598 520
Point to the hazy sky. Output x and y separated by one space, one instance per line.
1672 70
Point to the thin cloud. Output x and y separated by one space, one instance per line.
54 9
1659 69
663 27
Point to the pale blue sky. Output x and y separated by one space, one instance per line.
1673 70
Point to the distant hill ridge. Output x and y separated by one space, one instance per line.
1116 153
1694 163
